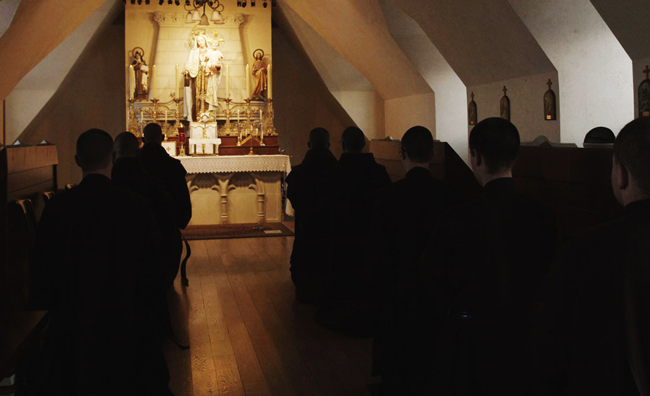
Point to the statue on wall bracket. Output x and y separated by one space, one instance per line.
141 70
549 103
505 105
259 73
644 95
471 111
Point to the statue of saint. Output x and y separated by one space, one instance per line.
259 73
204 67
141 70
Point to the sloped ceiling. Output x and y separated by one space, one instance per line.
482 41
7 11
337 73
38 27
628 20
357 30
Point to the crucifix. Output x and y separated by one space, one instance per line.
550 112
505 90
549 83
646 71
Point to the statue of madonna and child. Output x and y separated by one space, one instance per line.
203 68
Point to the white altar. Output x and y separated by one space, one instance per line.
237 189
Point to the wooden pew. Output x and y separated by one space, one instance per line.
25 172
445 165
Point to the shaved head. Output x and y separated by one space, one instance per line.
126 145
94 150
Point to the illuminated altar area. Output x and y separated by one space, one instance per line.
203 71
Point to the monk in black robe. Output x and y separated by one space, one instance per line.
592 330
405 215
480 274
309 254
349 193
171 172
95 271
129 173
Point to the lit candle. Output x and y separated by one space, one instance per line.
228 80
269 72
261 124
248 81
131 81
154 82
176 93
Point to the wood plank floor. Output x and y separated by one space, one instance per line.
247 333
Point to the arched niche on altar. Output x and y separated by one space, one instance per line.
244 193
164 35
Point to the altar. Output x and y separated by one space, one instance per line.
237 189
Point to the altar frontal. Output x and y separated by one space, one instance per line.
203 71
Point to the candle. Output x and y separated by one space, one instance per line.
165 116
228 80
131 81
154 82
269 72
237 115
248 81
176 93
261 124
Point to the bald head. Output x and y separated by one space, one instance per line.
353 140
153 133
94 150
319 138
126 145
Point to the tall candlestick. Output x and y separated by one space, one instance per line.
227 80
165 116
154 81
269 73
131 81
237 115
261 124
176 93
248 81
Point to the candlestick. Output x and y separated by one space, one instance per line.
248 81
154 81
131 81
269 72
176 93
165 117
228 81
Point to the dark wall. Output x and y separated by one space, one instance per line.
301 99
91 96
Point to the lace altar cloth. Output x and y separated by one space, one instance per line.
237 163
240 163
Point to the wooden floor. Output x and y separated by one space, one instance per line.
249 336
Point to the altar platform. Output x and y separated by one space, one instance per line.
235 189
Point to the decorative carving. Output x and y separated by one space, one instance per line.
504 106
549 103
472 111
178 19
204 181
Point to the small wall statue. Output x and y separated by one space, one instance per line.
644 95
141 70
471 111
549 103
259 73
504 106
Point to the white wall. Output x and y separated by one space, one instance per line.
403 113
594 71
526 96
37 87
366 108
450 105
